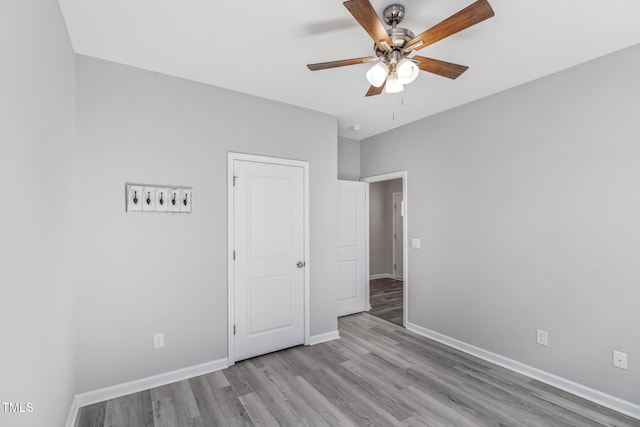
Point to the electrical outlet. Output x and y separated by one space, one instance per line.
542 337
149 199
158 340
162 196
619 359
134 198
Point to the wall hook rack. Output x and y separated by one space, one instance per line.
154 198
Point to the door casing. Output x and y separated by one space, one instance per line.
231 158
397 211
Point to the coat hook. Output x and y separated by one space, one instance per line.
148 197
161 198
173 201
135 197
184 202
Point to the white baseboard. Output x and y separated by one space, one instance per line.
100 395
328 336
606 400
381 276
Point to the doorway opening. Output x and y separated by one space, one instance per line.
387 262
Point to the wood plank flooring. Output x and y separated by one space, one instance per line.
376 374
386 297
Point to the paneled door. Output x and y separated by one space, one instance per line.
352 274
268 240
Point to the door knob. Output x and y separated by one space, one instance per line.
300 264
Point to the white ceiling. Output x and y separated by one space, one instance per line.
262 48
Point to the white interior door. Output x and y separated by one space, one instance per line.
269 261
398 243
352 277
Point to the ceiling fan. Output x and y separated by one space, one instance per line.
393 67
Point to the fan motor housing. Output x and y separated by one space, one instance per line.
399 36
393 15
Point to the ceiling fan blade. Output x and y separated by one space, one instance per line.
375 90
441 68
470 15
341 63
368 19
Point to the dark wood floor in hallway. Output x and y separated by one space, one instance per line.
376 374
386 297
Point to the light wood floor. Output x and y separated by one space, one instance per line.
386 298
376 374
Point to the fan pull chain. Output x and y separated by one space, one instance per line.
393 112
393 105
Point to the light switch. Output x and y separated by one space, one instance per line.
185 200
415 243
174 200
158 340
134 198
149 199
162 195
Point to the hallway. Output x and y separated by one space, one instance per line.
386 299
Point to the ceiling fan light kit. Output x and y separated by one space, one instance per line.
394 67
407 71
377 74
394 85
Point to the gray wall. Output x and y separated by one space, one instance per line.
527 203
37 107
348 159
139 274
381 225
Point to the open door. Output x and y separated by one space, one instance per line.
352 272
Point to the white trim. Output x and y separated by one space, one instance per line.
381 276
73 412
231 157
606 400
230 270
307 255
384 177
405 230
367 290
327 336
394 231
100 395
405 249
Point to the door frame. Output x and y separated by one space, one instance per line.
232 157
394 231
405 227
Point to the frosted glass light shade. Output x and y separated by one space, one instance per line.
394 85
407 71
377 74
